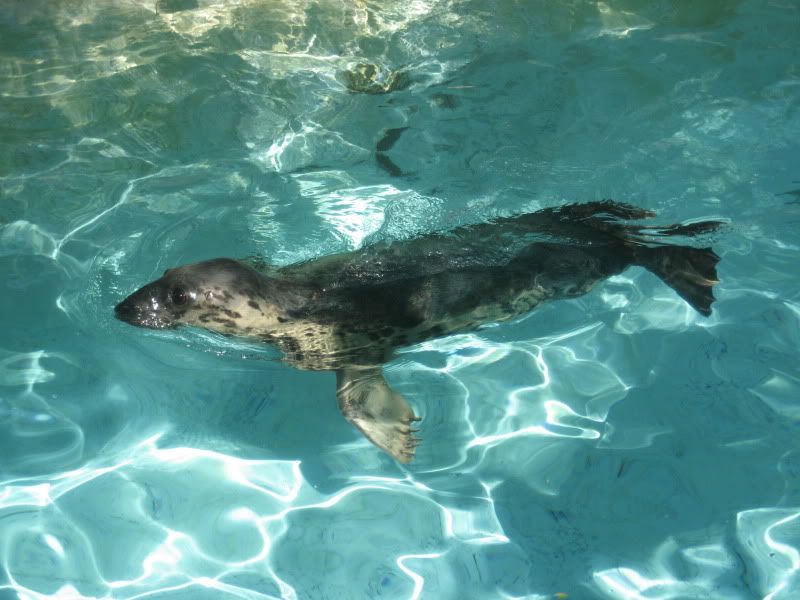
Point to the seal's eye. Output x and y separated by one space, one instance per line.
179 296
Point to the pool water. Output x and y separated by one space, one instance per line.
614 446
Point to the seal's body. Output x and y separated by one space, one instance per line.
348 312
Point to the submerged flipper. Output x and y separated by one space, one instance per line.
380 413
691 272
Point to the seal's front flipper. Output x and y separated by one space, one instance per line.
380 413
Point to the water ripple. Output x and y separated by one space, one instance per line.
615 445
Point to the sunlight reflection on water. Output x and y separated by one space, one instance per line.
613 446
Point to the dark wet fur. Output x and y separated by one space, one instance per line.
348 312
385 296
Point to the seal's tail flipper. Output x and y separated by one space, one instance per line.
691 272
380 413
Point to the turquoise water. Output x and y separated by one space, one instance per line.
614 446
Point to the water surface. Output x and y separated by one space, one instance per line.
613 446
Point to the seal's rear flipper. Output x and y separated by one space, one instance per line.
691 272
380 413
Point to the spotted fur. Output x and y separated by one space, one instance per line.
348 312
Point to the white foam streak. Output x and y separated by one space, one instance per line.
29 492
491 440
777 561
628 584
123 198
54 544
33 374
419 580
620 23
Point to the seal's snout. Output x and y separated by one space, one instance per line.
130 311
144 308
125 311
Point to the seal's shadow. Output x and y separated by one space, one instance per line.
264 410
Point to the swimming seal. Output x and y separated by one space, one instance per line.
348 312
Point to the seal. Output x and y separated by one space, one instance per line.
349 312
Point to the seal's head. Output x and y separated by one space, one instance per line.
216 294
